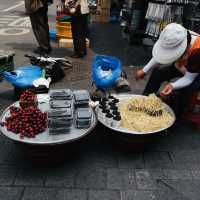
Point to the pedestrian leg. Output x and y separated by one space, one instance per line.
39 21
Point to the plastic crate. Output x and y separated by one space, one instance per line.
6 61
66 36
66 43
64 32
66 24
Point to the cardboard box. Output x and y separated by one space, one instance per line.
105 3
105 12
103 16
104 19
68 43
99 18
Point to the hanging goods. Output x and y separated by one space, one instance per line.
162 12
106 71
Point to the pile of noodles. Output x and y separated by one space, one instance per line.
145 114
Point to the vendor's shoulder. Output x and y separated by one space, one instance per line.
194 61
194 33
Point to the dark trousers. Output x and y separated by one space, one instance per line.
39 22
179 99
79 33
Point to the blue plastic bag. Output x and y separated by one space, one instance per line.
106 71
23 76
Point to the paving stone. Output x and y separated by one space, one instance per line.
91 178
131 161
60 176
149 184
196 174
157 160
10 193
188 157
189 188
54 194
73 194
30 177
10 154
149 179
178 174
104 195
43 194
170 194
100 160
172 143
121 179
138 195
7 175
5 151
150 174
186 166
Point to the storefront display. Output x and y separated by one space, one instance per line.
161 13
192 16
148 18
100 11
132 20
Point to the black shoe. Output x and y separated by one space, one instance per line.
77 56
42 51
49 50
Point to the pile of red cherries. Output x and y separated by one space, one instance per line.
28 98
26 121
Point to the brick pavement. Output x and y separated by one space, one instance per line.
99 170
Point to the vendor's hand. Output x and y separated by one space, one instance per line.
140 74
168 89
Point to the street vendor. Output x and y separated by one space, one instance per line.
176 55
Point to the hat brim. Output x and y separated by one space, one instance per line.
167 56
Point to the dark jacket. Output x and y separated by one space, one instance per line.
33 5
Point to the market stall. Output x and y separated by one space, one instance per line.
148 18
62 116
135 120
135 114
161 13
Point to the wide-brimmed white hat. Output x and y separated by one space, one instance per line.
171 44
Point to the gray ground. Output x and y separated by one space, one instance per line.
99 169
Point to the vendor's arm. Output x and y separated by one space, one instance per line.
150 65
185 81
140 74
193 70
